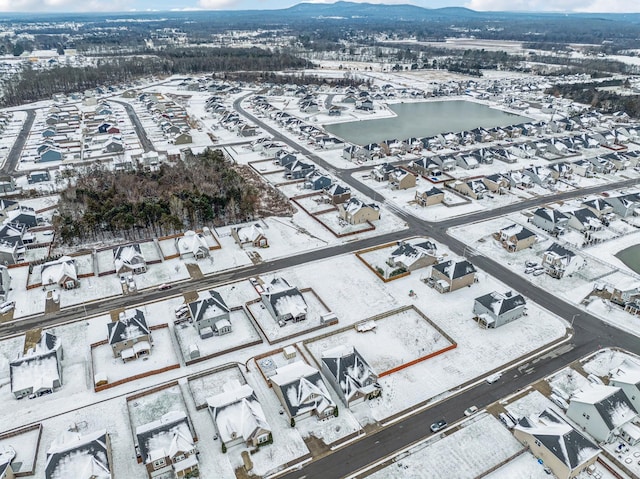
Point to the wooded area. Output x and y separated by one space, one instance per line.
603 100
201 190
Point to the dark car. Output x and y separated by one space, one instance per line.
438 425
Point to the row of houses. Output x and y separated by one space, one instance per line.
172 118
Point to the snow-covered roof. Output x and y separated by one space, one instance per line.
284 298
79 456
129 256
611 403
350 370
131 324
501 303
54 272
519 231
454 270
628 372
208 307
165 437
250 234
192 243
237 412
302 388
570 446
407 254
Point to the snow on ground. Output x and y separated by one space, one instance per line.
151 407
204 387
462 454
25 445
526 465
606 360
242 333
162 355
397 339
529 405
567 381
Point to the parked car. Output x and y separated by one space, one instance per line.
493 378
438 425
506 420
529 270
7 306
470 411
558 401
538 272
162 287
531 264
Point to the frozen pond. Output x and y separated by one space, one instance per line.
423 119
631 257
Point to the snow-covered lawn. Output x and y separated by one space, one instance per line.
243 332
529 405
151 407
462 454
203 387
162 355
338 226
274 332
567 381
25 445
525 465
397 339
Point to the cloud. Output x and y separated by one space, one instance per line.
594 6
216 4
63 6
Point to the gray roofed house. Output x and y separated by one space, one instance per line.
413 256
168 445
338 194
5 282
432 196
599 207
129 259
516 237
584 220
355 211
61 272
238 416
211 315
625 205
284 302
38 369
350 375
301 391
495 309
452 275
129 336
550 220
627 377
605 413
558 261
566 451
192 245
80 456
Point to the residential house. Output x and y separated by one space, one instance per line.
12 244
382 172
38 176
495 309
584 168
61 272
446 163
558 171
550 220
516 238
38 368
429 197
317 181
625 205
129 336
538 175
250 235
452 275
49 154
350 375
81 456
413 256
298 170
627 377
605 413
183 139
7 184
401 179
167 446
497 183
128 259
211 315
475 189
468 161
284 302
5 283
302 391
238 416
355 211
338 194
192 245
556 444
599 207
558 261
584 220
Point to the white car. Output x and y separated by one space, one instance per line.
470 411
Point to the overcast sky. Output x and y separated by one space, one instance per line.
127 5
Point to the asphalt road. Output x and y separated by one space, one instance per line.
145 142
14 155
589 332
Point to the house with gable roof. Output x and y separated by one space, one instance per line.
338 194
238 416
452 275
192 245
516 238
429 197
558 261
401 179
625 205
250 235
38 368
129 336
550 220
284 302
584 220
128 259
61 272
627 377
355 211
210 315
350 375
167 445
605 413
7 454
302 391
81 456
413 256
560 447
495 309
